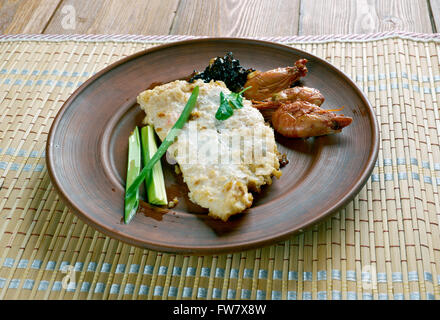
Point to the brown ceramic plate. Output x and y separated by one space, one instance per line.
87 148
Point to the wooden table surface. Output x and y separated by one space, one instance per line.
218 17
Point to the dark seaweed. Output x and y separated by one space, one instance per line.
226 69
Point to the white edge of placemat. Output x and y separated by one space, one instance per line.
169 38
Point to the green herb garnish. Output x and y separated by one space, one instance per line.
132 190
228 103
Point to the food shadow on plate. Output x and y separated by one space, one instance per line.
304 146
233 225
309 146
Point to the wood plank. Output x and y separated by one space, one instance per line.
435 14
239 18
363 16
114 17
26 16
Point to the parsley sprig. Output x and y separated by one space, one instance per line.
228 103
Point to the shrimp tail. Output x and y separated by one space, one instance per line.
339 122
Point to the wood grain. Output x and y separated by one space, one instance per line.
116 17
435 14
26 16
244 18
363 16
239 18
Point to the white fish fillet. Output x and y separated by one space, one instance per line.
219 160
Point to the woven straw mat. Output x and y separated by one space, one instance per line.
385 244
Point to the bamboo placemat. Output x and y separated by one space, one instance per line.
384 245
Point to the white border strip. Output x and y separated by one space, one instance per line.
169 38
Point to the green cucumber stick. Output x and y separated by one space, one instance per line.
155 184
133 169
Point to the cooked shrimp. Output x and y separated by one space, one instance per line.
302 119
268 106
265 84
307 94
